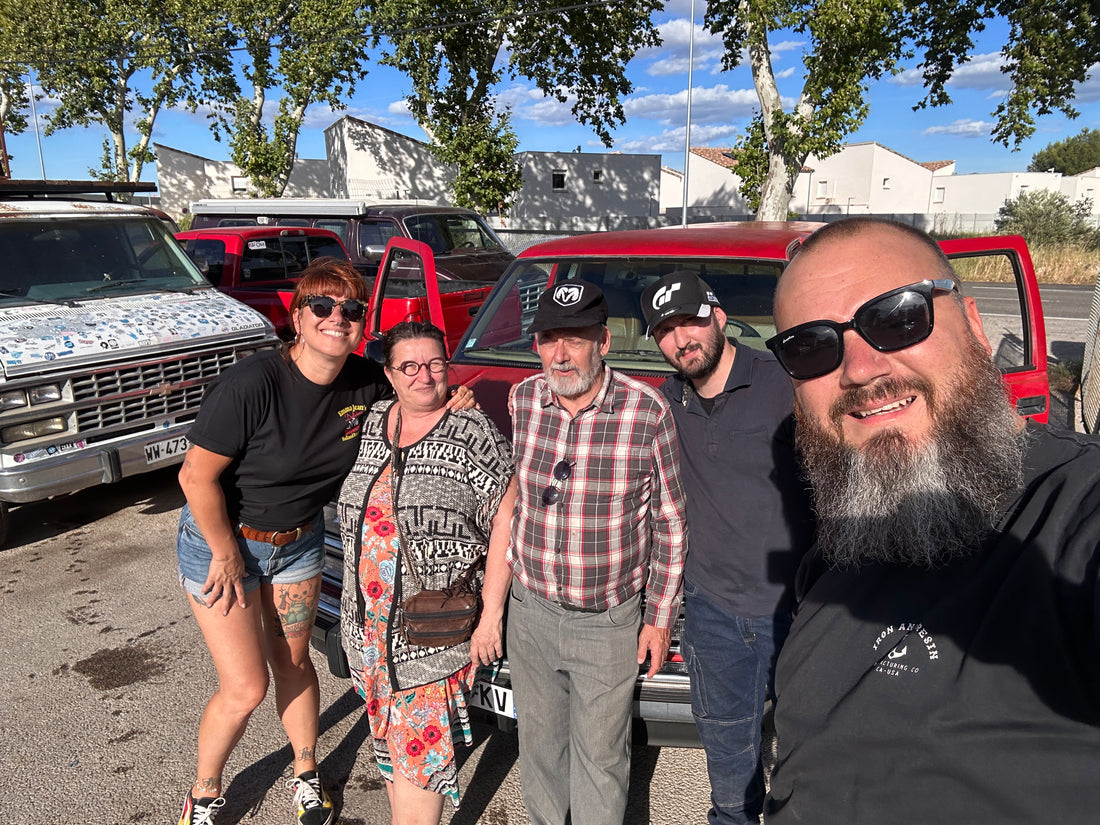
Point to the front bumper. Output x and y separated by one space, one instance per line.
77 469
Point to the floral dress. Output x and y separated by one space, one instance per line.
414 730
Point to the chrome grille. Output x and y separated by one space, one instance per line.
125 396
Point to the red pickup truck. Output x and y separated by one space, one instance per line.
742 262
260 265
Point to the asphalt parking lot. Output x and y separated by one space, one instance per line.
106 675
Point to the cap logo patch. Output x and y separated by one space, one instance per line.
566 296
663 295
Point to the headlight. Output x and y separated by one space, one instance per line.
12 399
33 429
45 394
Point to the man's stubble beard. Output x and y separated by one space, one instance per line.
895 501
712 355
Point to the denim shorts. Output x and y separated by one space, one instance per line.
298 561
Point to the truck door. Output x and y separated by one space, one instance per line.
407 289
998 274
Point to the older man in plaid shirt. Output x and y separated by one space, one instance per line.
599 519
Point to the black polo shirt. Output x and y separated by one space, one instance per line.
748 508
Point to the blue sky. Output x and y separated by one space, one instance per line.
722 104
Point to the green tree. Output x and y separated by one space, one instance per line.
851 43
1070 156
1047 218
309 51
455 55
90 55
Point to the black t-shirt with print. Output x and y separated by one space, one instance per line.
291 441
966 694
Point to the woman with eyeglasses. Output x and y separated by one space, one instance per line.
430 497
275 436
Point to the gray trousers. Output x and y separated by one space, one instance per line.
573 674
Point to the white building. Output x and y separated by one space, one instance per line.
613 190
866 179
183 177
371 162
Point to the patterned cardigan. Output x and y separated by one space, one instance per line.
449 490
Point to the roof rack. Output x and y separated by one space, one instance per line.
107 188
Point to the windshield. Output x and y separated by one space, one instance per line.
67 259
453 233
745 289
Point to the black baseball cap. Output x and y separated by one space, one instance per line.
677 293
569 305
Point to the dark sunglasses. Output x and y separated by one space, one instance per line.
562 470
890 322
322 306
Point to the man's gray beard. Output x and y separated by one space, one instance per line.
921 504
576 383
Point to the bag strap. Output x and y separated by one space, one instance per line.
394 473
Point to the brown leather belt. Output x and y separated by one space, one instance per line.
276 537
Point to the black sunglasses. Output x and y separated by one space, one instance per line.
322 306
562 470
890 322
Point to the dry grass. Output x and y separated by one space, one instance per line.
1053 265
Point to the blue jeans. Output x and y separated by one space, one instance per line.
731 663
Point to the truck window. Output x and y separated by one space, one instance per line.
339 227
236 222
209 256
55 260
744 288
375 233
318 247
264 260
426 229
292 222
465 233
990 279
295 255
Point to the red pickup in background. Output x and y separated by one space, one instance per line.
260 266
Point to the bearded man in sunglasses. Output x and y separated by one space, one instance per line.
943 662
599 518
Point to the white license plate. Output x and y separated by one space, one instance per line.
493 698
163 450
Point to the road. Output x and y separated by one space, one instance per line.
106 674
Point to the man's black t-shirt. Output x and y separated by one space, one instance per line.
969 693
291 441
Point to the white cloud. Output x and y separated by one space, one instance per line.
962 128
671 57
1089 91
529 103
717 104
982 71
783 75
672 140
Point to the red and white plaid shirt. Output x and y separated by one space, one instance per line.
618 524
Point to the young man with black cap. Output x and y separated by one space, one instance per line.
599 518
750 521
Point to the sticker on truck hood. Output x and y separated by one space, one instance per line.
34 337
